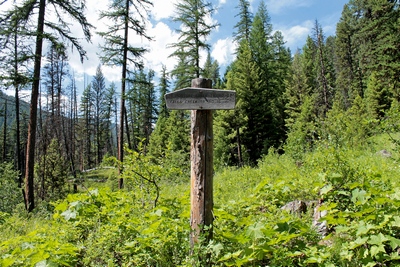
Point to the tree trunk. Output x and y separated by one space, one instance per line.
18 134
122 108
239 147
72 140
30 149
5 132
128 136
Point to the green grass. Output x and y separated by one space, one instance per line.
103 226
97 178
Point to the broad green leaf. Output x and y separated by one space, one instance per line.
346 254
355 185
359 196
380 200
158 212
377 239
376 249
40 257
216 248
364 228
255 231
395 195
394 242
7 261
358 242
314 259
131 244
334 220
68 215
394 255
231 255
386 219
94 192
329 206
343 193
396 221
45 263
27 245
62 206
42 263
371 217
326 189
368 210
76 204
282 227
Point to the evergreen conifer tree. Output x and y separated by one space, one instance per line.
45 30
127 15
110 111
99 112
157 145
243 26
192 15
86 131
14 64
54 74
349 77
211 71
296 89
248 86
324 78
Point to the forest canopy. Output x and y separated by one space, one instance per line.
306 167
339 89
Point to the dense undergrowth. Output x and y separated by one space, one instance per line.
101 226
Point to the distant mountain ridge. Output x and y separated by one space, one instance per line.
10 100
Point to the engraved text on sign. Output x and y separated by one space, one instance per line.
197 99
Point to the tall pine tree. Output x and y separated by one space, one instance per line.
193 17
243 26
99 113
45 30
194 29
127 15
159 137
349 76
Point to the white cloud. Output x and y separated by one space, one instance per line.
209 20
88 67
159 51
296 36
90 63
221 3
223 51
163 9
275 6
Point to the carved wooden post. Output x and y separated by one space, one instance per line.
202 100
201 156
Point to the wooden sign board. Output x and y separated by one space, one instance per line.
201 99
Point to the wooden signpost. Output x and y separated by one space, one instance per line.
201 99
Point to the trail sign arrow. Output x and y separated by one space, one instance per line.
201 99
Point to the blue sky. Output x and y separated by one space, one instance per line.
294 18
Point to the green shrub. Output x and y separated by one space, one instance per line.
102 227
10 194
